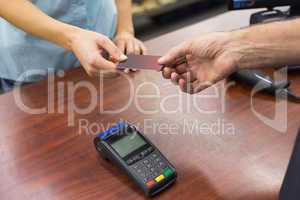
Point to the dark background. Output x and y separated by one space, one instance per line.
155 17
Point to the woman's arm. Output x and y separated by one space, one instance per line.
26 16
87 45
124 16
125 38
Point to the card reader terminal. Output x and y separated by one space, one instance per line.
131 151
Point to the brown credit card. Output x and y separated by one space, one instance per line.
141 62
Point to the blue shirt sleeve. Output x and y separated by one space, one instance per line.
29 58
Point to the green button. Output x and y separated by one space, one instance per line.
168 172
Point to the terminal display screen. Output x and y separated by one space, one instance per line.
128 144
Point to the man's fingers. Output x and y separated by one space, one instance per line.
182 68
193 87
167 71
187 87
199 86
174 54
182 85
175 78
105 43
189 76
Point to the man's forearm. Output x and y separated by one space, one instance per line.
274 44
124 16
24 15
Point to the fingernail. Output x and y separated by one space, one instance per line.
123 57
160 60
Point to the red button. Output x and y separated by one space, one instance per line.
150 184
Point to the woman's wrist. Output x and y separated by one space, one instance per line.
121 31
69 34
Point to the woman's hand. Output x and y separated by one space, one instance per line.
128 44
89 46
208 59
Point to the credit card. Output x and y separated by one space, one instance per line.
141 62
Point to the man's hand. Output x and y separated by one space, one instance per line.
89 46
208 59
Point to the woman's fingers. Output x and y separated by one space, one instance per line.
105 43
143 48
129 47
97 61
132 46
127 70
92 71
121 45
136 47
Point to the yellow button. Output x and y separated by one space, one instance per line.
159 178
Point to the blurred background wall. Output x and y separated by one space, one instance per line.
155 17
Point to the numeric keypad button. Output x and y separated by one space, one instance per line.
162 164
154 155
149 165
146 162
